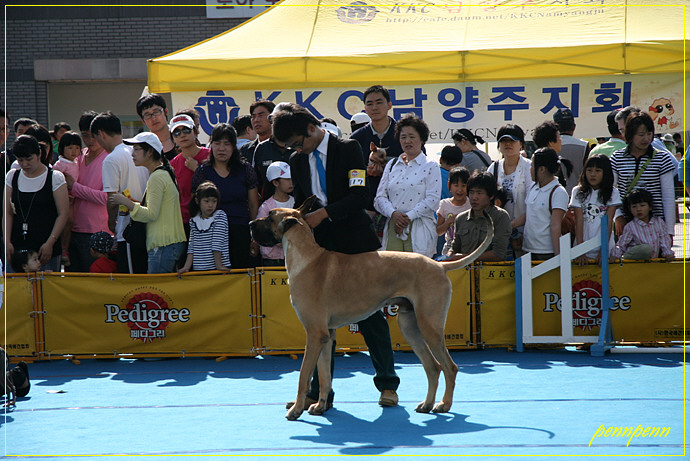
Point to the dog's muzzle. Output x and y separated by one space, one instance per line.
262 233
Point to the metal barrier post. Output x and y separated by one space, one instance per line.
603 345
518 305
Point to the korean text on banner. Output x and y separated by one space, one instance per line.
19 326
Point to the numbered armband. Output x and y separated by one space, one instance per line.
357 178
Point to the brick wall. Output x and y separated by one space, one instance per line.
83 32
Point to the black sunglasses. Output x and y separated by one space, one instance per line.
181 131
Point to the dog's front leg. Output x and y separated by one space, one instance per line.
311 354
325 378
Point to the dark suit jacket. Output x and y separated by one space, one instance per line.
348 229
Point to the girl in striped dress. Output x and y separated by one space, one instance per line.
208 238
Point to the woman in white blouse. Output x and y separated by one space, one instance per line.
512 173
409 192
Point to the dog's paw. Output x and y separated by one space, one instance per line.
293 413
441 407
318 408
423 407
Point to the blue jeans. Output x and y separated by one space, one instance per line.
162 260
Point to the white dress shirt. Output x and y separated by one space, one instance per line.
413 189
315 183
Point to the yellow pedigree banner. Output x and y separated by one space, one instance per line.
282 330
19 323
647 302
280 327
148 314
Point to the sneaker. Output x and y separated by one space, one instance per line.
388 398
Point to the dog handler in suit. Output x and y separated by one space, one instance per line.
333 169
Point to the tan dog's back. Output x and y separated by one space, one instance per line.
352 286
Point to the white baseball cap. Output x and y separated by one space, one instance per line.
360 117
181 120
278 170
148 138
334 130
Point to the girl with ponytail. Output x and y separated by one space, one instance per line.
546 204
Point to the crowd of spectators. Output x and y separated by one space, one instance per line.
72 196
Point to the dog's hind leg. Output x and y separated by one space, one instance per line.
315 343
325 378
407 322
434 336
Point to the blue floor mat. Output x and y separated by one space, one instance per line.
532 404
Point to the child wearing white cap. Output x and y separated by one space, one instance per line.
278 173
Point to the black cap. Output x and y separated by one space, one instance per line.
102 242
563 115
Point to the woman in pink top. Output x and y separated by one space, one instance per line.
90 212
184 135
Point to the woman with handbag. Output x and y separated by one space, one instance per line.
409 192
512 173
641 166
160 208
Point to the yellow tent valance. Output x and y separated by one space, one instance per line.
310 43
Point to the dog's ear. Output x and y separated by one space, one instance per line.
308 205
286 224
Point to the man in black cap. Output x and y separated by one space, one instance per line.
617 140
572 148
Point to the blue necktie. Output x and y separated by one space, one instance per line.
320 170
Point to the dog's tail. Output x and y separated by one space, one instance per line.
469 259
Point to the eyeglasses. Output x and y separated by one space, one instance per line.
181 131
296 145
153 113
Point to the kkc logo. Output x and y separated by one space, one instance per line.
147 315
357 13
214 108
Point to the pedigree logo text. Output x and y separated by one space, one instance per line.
147 313
587 304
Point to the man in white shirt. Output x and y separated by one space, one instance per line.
120 175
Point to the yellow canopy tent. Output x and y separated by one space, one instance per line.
330 43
